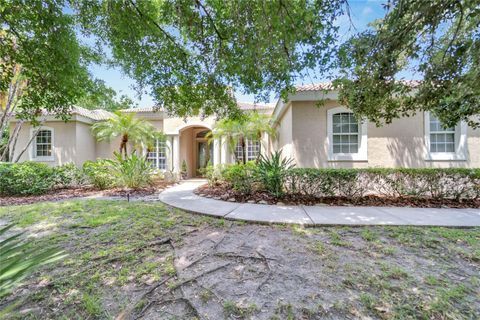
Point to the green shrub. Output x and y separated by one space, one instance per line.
132 172
69 175
241 177
99 173
26 178
272 171
450 183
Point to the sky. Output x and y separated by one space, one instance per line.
362 13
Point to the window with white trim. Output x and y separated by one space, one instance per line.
441 139
347 136
43 145
345 133
444 143
157 156
252 152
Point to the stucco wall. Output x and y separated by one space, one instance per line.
284 139
63 145
84 143
399 144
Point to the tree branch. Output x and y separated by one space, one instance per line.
209 17
159 27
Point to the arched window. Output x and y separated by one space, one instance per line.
347 136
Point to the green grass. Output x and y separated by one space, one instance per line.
108 246
110 252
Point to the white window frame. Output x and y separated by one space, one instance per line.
33 149
361 155
460 153
248 145
157 155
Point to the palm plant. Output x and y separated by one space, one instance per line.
19 258
272 171
237 131
132 172
125 125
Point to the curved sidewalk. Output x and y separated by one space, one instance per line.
181 196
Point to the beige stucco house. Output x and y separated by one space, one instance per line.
325 136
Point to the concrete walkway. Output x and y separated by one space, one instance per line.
181 196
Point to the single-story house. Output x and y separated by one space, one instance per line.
313 136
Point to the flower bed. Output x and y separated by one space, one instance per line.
30 182
422 187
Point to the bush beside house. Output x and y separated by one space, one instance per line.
280 181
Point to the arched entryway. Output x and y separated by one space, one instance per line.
195 150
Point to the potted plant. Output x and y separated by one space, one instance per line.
183 171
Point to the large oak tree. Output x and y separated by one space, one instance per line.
435 41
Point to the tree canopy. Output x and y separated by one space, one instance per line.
437 41
193 53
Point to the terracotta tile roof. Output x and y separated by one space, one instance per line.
241 105
314 86
329 86
97 114
254 106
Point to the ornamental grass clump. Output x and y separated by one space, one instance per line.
271 172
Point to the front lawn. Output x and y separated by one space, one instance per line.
144 260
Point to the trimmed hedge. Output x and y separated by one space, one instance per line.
450 183
34 178
25 178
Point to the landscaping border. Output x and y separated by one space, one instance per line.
182 196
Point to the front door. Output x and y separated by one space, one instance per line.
204 156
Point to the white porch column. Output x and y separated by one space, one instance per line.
216 151
168 144
176 153
224 157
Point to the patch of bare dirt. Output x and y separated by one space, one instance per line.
220 192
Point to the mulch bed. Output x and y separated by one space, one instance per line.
87 191
223 193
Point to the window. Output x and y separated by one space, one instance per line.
347 137
441 139
43 144
157 156
444 143
345 133
252 152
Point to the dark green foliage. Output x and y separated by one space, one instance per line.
99 173
68 175
438 41
192 53
33 178
27 178
241 177
20 258
132 172
454 183
272 171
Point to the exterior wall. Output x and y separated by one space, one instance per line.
186 150
284 139
399 144
85 144
64 143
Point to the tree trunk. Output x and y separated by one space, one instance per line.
28 143
244 150
123 146
6 155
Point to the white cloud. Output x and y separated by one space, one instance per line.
366 11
